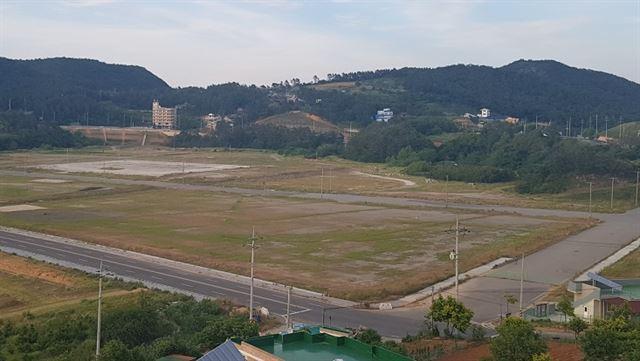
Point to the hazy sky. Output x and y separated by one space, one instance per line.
205 42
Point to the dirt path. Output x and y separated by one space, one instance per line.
406 182
69 302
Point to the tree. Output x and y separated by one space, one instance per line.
541 357
452 312
516 341
577 325
566 307
601 343
511 300
369 336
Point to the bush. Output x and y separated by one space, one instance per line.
516 341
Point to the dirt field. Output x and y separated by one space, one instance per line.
31 285
138 167
354 251
268 170
559 351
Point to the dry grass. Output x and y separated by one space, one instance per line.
272 171
355 251
31 285
627 267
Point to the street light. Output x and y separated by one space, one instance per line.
253 250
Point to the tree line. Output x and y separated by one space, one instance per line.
155 325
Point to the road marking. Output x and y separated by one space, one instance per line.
162 274
157 278
187 285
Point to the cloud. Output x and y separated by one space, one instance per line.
202 42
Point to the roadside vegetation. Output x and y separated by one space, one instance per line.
627 267
49 313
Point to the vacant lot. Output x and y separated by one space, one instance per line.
269 170
354 251
36 286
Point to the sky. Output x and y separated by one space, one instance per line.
197 43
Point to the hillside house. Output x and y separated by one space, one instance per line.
384 115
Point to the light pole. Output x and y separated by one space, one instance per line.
289 308
590 197
454 255
521 282
637 182
612 181
253 249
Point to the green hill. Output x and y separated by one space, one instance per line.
525 88
628 129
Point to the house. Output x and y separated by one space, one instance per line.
211 121
384 115
485 113
597 297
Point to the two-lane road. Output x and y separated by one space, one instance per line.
166 276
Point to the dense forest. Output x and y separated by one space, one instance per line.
64 90
24 131
153 326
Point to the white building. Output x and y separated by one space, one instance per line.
164 118
484 113
384 115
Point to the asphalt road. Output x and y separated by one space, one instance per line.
303 309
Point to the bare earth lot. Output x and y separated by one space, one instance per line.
354 251
138 167
268 170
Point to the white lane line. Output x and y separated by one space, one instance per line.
157 278
83 260
164 274
187 285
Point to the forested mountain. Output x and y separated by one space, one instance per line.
526 88
66 90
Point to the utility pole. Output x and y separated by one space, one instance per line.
330 179
457 239
288 308
446 192
606 127
596 126
99 312
521 282
454 254
321 182
612 181
253 249
590 198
